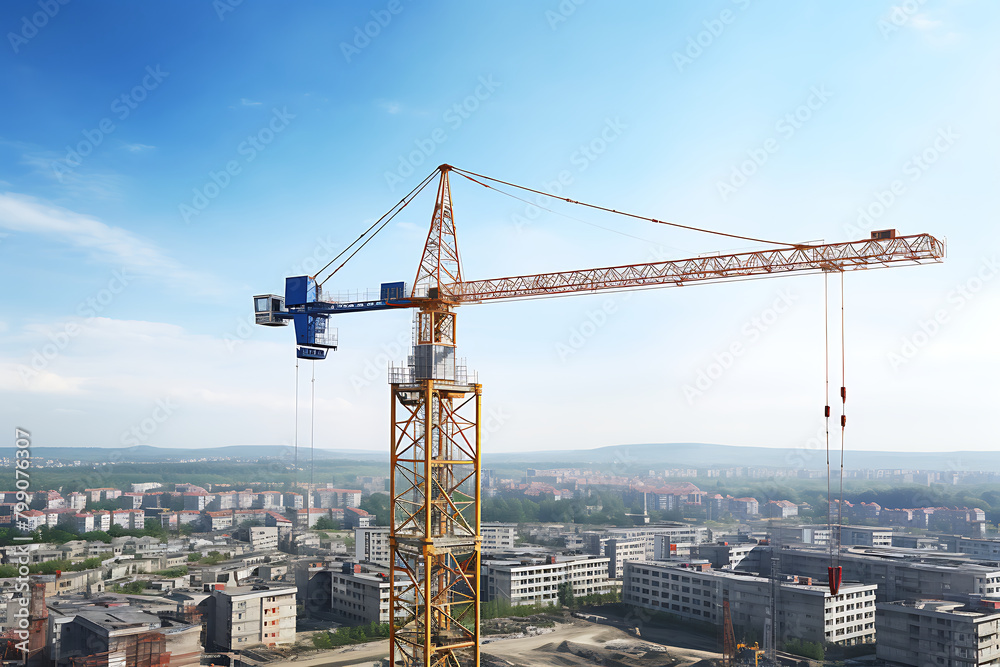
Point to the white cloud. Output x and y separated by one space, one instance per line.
111 375
137 148
249 103
114 245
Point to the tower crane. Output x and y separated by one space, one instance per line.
434 531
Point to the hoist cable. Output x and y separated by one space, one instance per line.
296 440
843 410
312 430
826 368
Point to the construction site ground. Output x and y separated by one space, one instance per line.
542 641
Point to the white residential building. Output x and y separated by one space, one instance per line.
537 581
498 536
805 611
620 551
264 538
371 545
248 615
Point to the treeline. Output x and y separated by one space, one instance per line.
278 474
63 534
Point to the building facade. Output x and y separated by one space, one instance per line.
537 581
805 611
926 633
247 615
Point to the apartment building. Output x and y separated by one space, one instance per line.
357 598
620 551
330 497
355 517
246 615
781 509
264 538
899 573
132 519
498 536
936 633
806 611
675 533
371 545
537 580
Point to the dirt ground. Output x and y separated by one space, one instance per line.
571 643
583 643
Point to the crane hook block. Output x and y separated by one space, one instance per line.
826 412
834 575
843 421
843 394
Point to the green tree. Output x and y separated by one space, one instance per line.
806 649
325 523
378 505
565 594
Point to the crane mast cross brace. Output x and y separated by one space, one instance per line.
435 436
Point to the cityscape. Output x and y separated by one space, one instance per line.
549 334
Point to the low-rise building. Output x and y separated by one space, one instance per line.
498 536
264 538
899 573
358 598
806 611
355 517
246 615
936 633
537 580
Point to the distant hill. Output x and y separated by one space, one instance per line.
630 457
702 455
148 454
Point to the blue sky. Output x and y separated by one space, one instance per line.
160 163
